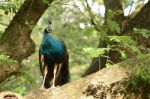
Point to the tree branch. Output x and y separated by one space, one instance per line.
92 17
99 85
7 70
75 6
16 39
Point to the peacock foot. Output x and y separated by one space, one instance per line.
53 89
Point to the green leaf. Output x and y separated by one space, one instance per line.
125 41
6 59
20 90
144 32
30 24
109 63
142 73
123 54
95 52
113 26
45 1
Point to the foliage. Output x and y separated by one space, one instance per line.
144 32
95 52
23 82
29 24
113 26
126 42
10 6
1 33
45 1
122 42
19 90
8 9
6 59
140 78
141 74
123 54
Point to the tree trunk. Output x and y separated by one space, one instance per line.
16 40
100 62
108 83
141 20
127 26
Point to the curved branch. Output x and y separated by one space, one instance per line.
16 39
92 17
99 85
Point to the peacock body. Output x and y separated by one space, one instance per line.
53 55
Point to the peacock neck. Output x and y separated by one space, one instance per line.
47 35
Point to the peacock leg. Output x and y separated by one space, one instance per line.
59 68
45 73
42 64
54 73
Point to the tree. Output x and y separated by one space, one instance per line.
16 41
115 24
126 24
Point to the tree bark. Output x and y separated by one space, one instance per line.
108 83
7 70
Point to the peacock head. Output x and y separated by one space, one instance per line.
48 28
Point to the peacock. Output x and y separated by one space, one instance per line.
53 60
